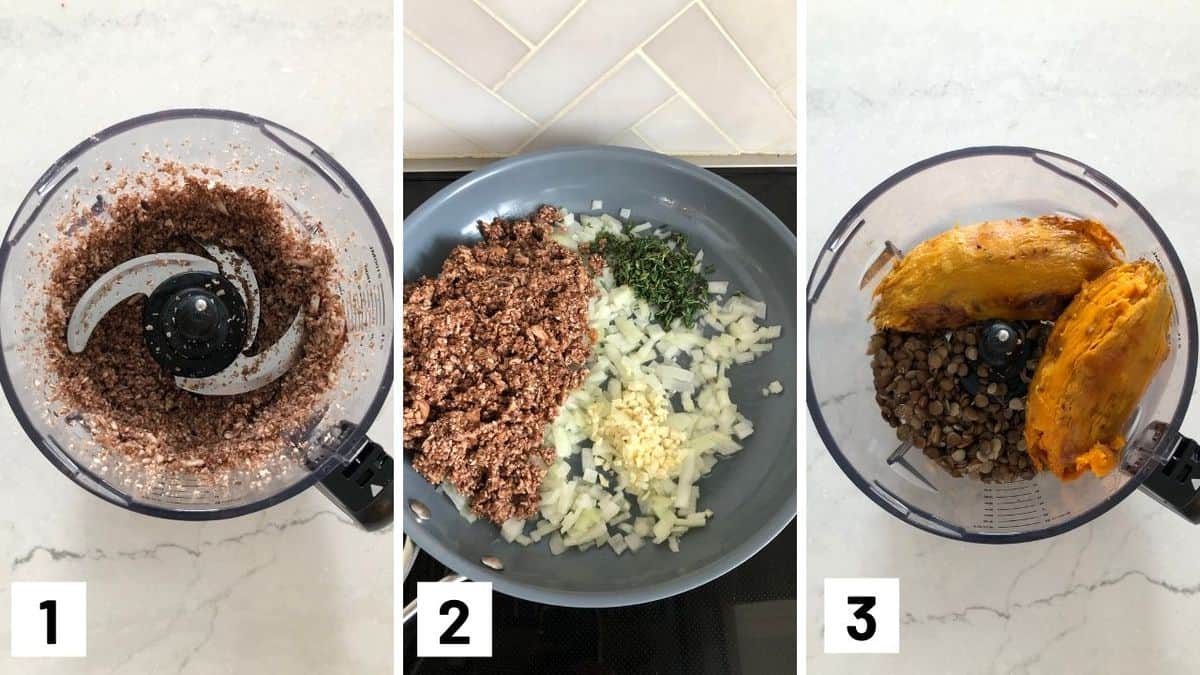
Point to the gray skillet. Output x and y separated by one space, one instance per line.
753 493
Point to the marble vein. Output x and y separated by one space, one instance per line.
181 612
838 398
962 616
1012 588
1025 664
214 603
57 554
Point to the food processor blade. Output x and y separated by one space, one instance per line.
248 373
139 276
142 275
240 271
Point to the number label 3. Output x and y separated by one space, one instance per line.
865 603
454 619
862 616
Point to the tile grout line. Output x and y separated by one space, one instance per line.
656 108
467 75
750 64
633 130
488 10
636 51
456 132
693 107
529 54
480 155
579 97
682 94
426 163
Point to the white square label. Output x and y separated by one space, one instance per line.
49 618
454 619
862 616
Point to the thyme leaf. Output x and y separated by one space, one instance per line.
661 271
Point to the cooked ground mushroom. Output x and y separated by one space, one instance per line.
492 347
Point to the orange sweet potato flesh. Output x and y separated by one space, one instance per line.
1099 359
1023 269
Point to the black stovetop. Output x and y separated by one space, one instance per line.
743 622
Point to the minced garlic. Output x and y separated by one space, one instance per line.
635 427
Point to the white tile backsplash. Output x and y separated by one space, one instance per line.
629 139
617 103
466 35
486 78
765 30
587 46
441 91
678 129
787 93
425 136
694 56
531 19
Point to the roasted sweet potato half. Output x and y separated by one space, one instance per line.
1101 356
1023 269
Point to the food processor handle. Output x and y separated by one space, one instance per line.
363 488
1176 484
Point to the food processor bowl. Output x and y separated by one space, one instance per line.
314 188
960 188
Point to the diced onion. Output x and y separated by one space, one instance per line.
511 528
556 544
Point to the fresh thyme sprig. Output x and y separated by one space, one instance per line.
661 271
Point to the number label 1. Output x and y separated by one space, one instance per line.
49 619
51 607
454 619
862 616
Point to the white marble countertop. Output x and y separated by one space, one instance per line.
295 588
1116 85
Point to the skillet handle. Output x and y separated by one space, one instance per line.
1176 484
410 610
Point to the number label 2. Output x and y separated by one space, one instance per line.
454 619
461 612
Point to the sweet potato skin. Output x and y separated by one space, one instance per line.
1023 269
1100 357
